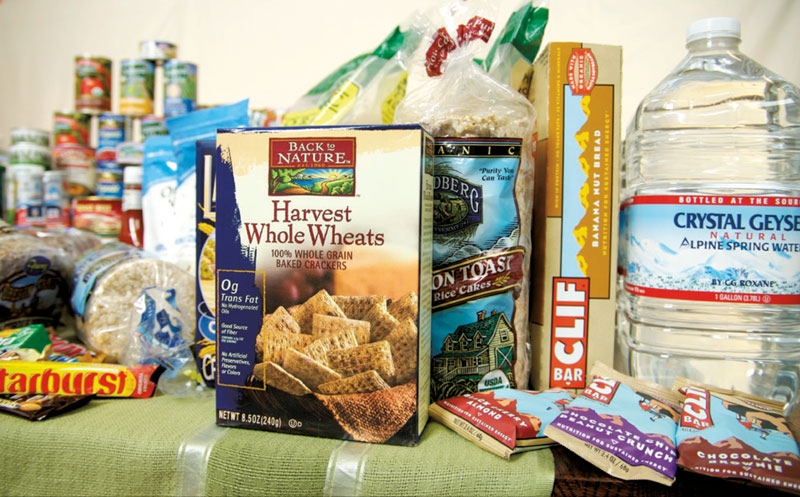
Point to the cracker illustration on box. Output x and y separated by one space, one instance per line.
323 273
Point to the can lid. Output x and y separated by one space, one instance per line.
714 27
132 174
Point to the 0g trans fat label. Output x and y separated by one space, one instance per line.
742 249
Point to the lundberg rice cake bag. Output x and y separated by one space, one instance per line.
323 281
483 208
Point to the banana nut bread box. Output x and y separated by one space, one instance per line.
323 280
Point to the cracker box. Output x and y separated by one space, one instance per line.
576 91
206 218
323 281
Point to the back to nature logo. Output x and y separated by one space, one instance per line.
312 166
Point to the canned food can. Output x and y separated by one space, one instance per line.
109 180
56 202
153 126
157 50
3 191
130 153
30 135
29 208
180 87
110 133
78 162
137 81
92 84
9 197
102 216
71 127
29 153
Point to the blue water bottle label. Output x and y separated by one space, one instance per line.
713 248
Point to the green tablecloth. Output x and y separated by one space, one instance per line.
171 446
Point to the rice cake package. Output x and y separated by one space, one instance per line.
34 279
323 281
576 89
482 208
734 435
624 426
505 421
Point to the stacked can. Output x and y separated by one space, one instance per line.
153 126
111 132
180 87
112 129
71 127
137 82
3 188
30 146
55 200
92 84
29 157
29 190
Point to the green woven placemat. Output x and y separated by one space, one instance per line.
108 447
158 447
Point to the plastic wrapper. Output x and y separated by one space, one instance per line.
723 433
156 337
36 407
184 132
517 45
367 88
35 272
159 183
505 421
106 285
364 90
483 205
622 425
68 379
30 343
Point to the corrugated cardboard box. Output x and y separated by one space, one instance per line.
323 274
576 89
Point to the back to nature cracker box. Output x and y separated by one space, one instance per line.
323 274
576 89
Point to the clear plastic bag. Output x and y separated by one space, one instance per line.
108 281
155 335
364 90
483 199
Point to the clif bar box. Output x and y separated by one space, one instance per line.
323 281
576 89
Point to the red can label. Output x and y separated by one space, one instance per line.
92 84
71 127
102 216
79 163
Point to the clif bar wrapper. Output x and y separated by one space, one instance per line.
727 434
504 421
622 425
103 380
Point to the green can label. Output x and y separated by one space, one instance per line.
137 81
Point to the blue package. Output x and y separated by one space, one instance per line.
159 184
185 131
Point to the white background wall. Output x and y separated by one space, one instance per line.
272 51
